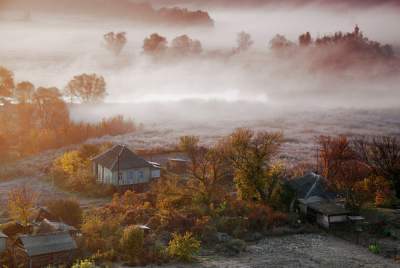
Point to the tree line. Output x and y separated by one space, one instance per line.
35 119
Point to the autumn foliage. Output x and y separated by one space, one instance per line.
37 119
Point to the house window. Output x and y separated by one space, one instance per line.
131 176
140 176
120 177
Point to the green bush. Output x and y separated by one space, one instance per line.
84 264
374 248
132 242
183 247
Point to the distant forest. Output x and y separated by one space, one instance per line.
140 11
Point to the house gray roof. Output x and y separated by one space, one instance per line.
310 185
47 226
328 208
46 244
119 156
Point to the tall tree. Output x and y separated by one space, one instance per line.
244 42
24 92
21 202
50 109
208 169
6 82
115 42
88 88
184 45
155 44
251 154
382 154
341 168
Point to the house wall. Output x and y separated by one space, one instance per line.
22 260
59 258
323 220
3 245
132 176
103 174
155 173
338 219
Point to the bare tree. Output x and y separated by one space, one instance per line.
382 154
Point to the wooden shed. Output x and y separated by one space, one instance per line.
34 251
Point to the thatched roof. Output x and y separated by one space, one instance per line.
46 244
119 156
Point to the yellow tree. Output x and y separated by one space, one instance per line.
251 154
21 203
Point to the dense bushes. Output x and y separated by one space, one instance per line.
183 247
67 210
132 243
73 171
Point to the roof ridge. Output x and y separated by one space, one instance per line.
118 155
106 151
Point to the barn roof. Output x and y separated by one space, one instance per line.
120 155
46 244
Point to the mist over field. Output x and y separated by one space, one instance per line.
50 48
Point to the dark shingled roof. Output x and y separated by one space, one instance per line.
310 185
127 159
45 244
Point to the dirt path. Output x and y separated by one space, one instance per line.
305 250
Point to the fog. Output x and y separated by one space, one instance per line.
49 49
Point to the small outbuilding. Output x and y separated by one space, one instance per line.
119 166
316 202
327 214
43 250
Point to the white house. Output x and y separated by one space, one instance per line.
120 166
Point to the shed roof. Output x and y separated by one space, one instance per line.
328 208
49 243
119 156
